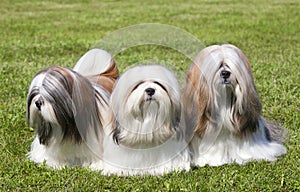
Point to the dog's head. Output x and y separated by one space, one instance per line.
146 105
61 104
221 85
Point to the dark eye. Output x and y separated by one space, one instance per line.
136 86
161 85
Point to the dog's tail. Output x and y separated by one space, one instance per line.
99 67
276 132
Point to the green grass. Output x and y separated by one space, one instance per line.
36 34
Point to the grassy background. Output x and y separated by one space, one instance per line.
36 34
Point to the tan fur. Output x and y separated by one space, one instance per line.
195 100
107 79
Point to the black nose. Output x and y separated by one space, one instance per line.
150 91
38 104
225 74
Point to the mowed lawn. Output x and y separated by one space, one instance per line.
37 34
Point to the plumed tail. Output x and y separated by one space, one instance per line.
95 62
99 67
275 132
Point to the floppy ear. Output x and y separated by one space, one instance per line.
247 111
247 108
87 114
116 129
176 115
44 132
195 102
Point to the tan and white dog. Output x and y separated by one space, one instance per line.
223 111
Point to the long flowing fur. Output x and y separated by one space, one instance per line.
145 132
223 111
99 67
68 112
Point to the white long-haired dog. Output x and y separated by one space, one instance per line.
223 110
146 136
69 109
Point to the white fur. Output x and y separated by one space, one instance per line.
57 155
158 160
148 129
225 148
93 62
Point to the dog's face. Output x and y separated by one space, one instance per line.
225 82
148 99
146 108
49 102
